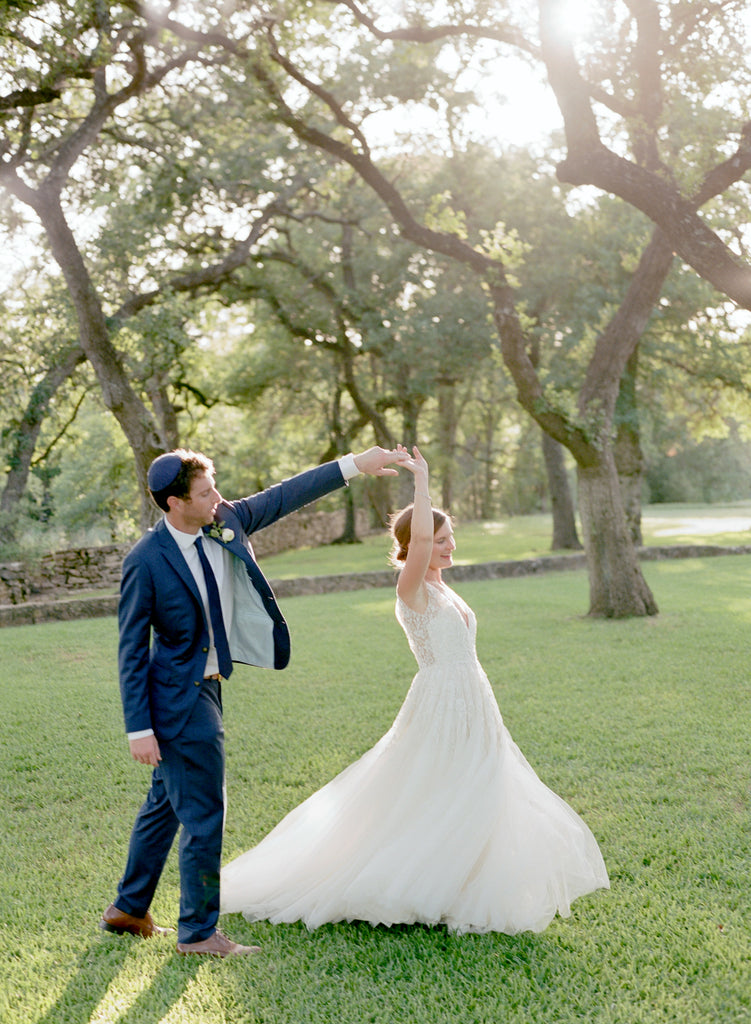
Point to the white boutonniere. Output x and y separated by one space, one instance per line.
222 533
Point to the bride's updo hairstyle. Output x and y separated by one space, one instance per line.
400 528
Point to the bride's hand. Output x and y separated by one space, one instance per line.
415 463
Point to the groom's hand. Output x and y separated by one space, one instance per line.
145 750
375 460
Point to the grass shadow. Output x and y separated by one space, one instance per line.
99 966
167 986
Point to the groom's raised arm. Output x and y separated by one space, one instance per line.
260 510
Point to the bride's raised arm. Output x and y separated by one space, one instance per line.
411 583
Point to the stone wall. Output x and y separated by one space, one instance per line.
78 569
14 583
93 606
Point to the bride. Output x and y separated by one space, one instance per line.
443 821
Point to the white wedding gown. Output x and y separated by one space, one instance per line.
443 821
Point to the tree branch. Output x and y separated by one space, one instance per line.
590 162
29 97
432 33
621 336
491 270
449 245
193 280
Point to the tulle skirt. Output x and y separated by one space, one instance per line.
443 821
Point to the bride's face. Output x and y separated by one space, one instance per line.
443 547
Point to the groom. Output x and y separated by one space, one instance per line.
192 601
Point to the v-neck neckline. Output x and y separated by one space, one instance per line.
453 598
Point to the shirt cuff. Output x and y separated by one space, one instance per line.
141 734
348 467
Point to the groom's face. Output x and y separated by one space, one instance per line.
198 508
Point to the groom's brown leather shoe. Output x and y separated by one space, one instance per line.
114 920
217 945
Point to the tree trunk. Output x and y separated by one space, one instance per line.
26 434
349 533
628 453
565 537
446 440
164 412
617 588
135 419
410 425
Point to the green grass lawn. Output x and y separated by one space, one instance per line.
642 725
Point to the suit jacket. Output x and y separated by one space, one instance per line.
164 637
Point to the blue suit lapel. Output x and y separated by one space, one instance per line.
241 548
171 551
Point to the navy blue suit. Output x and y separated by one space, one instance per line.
164 640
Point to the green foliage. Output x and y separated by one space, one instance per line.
441 217
333 330
710 470
641 726
408 74
93 493
505 245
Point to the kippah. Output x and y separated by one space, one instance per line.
163 470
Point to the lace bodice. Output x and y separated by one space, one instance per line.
444 633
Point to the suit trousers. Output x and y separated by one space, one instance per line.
187 792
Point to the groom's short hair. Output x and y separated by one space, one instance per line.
171 475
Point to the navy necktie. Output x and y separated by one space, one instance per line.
215 607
